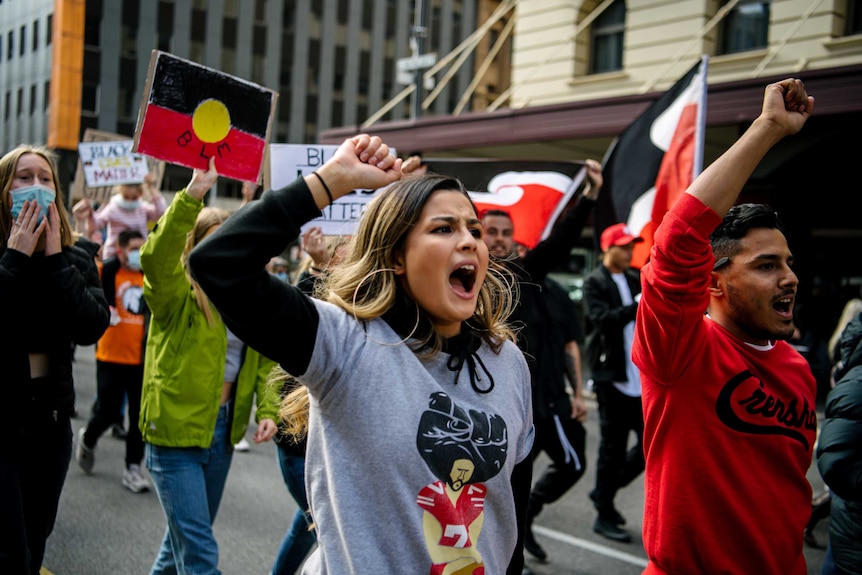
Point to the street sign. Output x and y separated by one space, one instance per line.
414 63
406 69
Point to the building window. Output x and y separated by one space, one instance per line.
22 41
165 26
32 99
607 35
10 45
47 95
8 108
49 29
92 30
260 11
20 109
35 35
90 98
854 17
745 28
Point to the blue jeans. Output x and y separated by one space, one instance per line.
299 538
190 482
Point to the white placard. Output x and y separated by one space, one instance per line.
291 161
109 163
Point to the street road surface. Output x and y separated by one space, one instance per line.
103 529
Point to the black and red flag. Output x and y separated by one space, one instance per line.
653 161
190 113
533 192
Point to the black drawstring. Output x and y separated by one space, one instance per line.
466 355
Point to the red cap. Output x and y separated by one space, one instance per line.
618 235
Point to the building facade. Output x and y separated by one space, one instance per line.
583 70
333 62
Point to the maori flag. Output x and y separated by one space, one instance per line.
533 193
653 161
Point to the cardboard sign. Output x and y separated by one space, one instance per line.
287 162
191 113
111 163
81 188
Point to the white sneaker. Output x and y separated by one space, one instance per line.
85 456
134 481
242 445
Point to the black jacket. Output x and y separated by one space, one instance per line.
606 314
839 452
540 335
49 304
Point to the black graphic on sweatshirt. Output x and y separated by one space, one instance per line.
463 450
745 405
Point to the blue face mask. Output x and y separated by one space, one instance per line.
134 260
282 276
129 204
39 194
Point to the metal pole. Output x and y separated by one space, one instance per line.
417 44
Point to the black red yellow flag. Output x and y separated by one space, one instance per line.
190 113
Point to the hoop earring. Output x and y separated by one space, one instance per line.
353 309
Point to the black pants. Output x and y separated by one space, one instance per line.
115 380
32 474
617 465
565 468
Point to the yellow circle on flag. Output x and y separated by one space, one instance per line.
211 121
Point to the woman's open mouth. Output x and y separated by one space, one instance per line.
463 279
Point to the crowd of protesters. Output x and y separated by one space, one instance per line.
431 305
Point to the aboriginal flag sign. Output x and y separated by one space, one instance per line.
190 113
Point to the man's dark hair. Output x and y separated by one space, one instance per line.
128 235
494 212
736 225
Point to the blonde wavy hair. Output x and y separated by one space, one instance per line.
365 284
207 219
8 165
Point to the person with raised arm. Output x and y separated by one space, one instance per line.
729 404
419 399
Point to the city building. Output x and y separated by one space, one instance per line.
527 79
332 62
583 70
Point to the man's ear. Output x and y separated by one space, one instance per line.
398 265
716 285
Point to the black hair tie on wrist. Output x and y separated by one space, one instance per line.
325 188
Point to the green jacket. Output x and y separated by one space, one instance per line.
185 357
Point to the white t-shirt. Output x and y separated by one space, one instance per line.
632 385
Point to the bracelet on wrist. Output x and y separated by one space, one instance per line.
317 269
325 187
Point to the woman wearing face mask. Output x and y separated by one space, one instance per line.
200 381
419 400
52 298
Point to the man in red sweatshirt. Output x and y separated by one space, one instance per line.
729 405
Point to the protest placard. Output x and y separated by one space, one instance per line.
81 188
288 162
111 163
191 113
